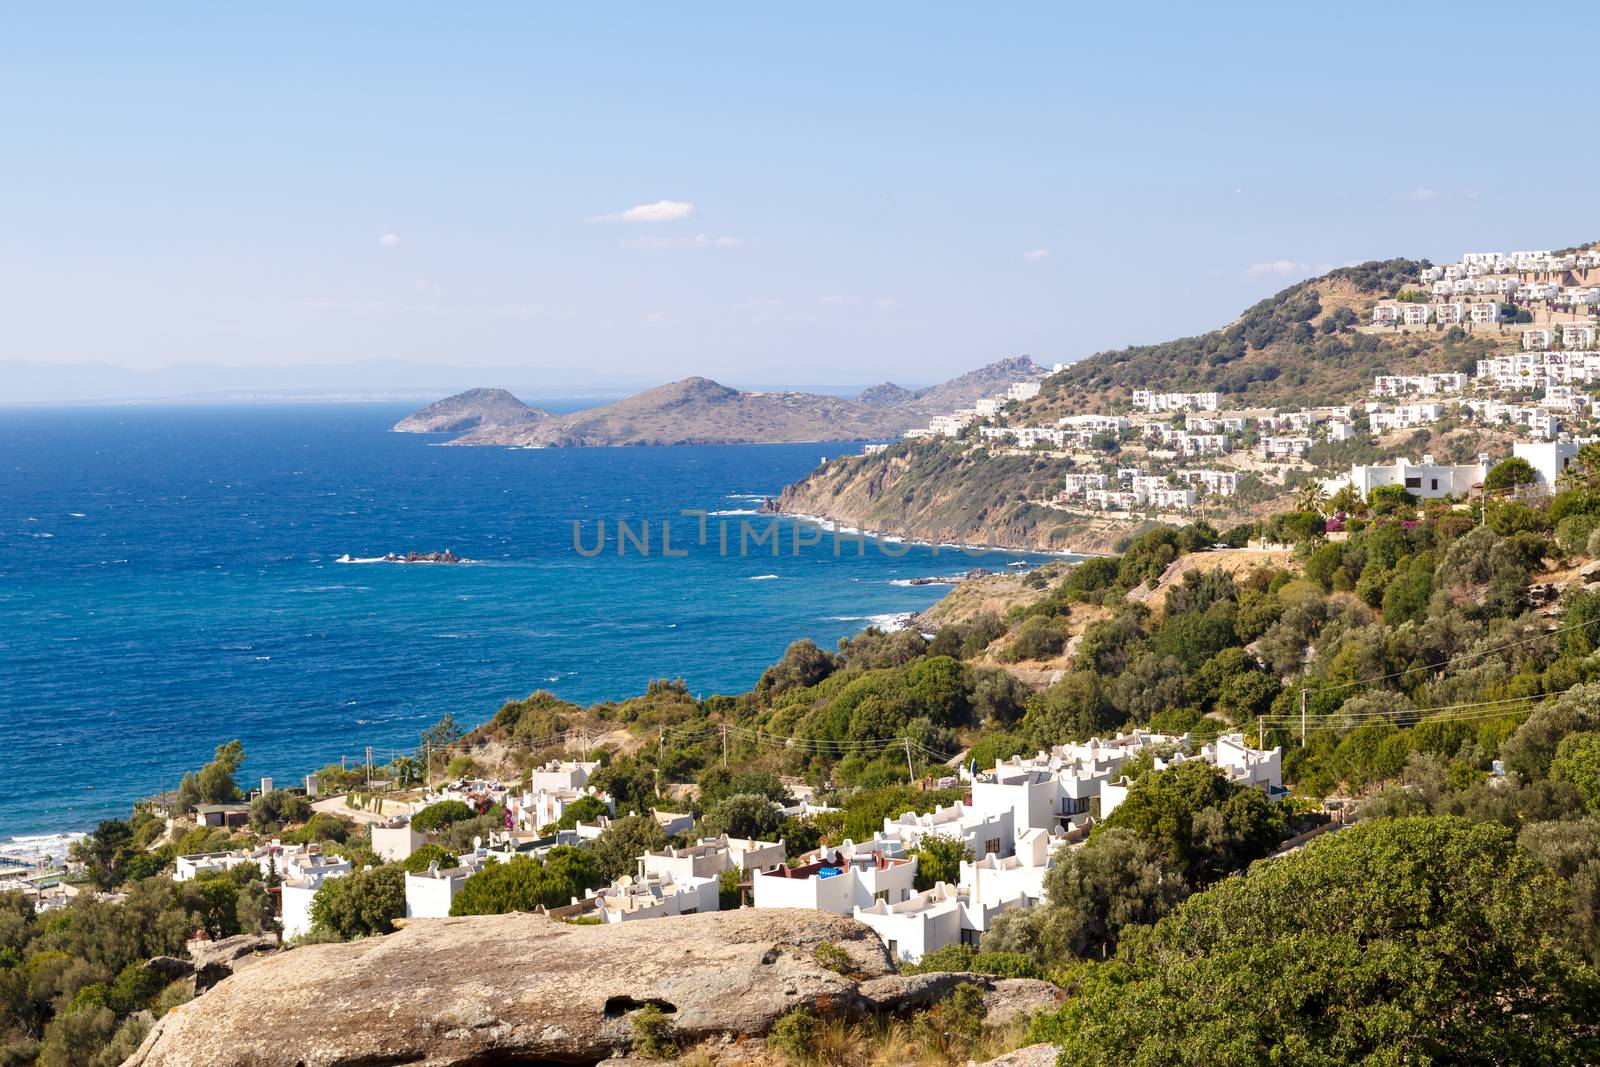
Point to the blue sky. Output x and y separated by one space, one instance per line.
850 195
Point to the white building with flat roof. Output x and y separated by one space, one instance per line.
187 868
983 832
1547 458
839 880
1405 417
1427 479
998 878
749 855
655 897
705 860
562 774
395 841
430 893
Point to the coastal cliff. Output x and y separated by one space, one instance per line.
938 493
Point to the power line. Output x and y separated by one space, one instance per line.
1394 714
1469 712
1452 661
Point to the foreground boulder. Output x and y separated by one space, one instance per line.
517 988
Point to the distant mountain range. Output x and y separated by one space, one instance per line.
33 382
701 411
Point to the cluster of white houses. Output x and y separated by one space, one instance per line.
1135 488
1484 285
1011 821
953 424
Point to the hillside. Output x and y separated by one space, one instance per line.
1302 346
701 411
474 409
1296 347
935 492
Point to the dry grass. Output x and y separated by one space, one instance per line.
868 1043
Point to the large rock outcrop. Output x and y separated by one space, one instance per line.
517 989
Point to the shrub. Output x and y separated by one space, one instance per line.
1574 532
794 1036
834 958
652 1034
418 861
1039 637
439 815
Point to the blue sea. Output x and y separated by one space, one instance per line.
169 581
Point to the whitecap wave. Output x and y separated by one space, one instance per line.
762 577
36 849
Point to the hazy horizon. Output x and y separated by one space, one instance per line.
380 380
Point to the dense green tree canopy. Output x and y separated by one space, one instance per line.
618 848
361 903
1420 940
525 884
939 858
440 814
1204 824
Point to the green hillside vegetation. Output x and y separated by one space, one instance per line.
1444 691
1294 348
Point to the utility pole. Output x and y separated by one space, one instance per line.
724 744
910 771
1302 718
1261 734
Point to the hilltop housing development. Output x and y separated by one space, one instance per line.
1168 454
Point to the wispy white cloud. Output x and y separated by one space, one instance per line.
699 240
389 240
660 211
838 301
1274 266
1036 255
1423 193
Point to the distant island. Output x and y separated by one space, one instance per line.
475 409
699 411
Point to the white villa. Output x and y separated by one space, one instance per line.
983 832
1427 479
839 879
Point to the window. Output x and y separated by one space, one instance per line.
969 937
991 846
1433 483
1413 483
